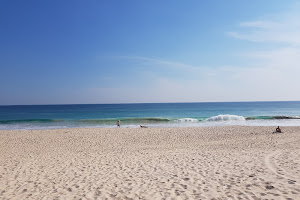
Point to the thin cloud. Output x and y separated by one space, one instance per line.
260 24
272 74
284 29
162 62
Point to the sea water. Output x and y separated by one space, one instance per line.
151 115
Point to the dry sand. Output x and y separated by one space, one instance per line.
154 163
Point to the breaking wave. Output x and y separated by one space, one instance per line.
187 120
149 121
217 118
226 118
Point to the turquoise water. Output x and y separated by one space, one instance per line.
151 114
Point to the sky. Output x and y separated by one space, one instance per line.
133 51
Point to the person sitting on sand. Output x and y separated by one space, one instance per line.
278 130
118 123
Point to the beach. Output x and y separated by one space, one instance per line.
231 162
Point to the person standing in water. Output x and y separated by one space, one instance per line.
118 123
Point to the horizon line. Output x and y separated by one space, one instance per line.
144 103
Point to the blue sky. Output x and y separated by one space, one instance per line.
61 52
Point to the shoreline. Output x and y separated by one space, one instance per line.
149 127
281 123
151 163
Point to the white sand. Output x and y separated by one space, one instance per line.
154 163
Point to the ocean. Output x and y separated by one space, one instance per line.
283 113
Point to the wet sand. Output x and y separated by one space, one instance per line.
155 163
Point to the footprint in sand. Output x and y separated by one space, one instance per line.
270 161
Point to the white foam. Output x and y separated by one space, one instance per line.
187 120
221 118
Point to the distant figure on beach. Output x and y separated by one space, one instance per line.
278 130
143 126
118 123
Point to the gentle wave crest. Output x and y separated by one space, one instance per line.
272 117
127 120
90 121
30 121
149 119
226 118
